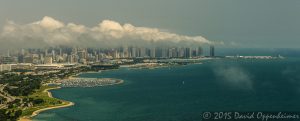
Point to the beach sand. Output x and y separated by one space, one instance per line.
24 119
49 108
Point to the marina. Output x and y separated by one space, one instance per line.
89 82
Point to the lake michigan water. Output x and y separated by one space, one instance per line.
182 93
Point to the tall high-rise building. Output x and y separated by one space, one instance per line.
187 53
194 53
82 54
74 50
148 53
8 54
181 52
116 54
125 52
199 51
21 58
158 52
46 52
72 59
212 51
53 55
142 52
133 52
97 58
170 53
60 52
152 52
164 53
175 52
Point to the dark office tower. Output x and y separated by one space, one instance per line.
200 51
212 51
21 58
158 52
148 52
194 53
187 53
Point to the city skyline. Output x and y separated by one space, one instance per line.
92 55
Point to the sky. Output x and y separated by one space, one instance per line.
234 23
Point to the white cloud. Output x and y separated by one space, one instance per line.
50 23
51 32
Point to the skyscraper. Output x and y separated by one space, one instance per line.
187 53
53 54
133 52
170 53
125 52
46 52
212 51
60 52
142 52
152 52
164 53
181 52
8 54
200 51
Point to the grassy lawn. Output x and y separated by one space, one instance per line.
48 102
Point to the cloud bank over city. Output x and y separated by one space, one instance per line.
51 32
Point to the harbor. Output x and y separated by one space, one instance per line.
89 82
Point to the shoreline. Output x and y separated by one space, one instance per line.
35 113
68 104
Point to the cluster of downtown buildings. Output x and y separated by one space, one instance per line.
53 57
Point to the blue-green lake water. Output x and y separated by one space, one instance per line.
181 93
